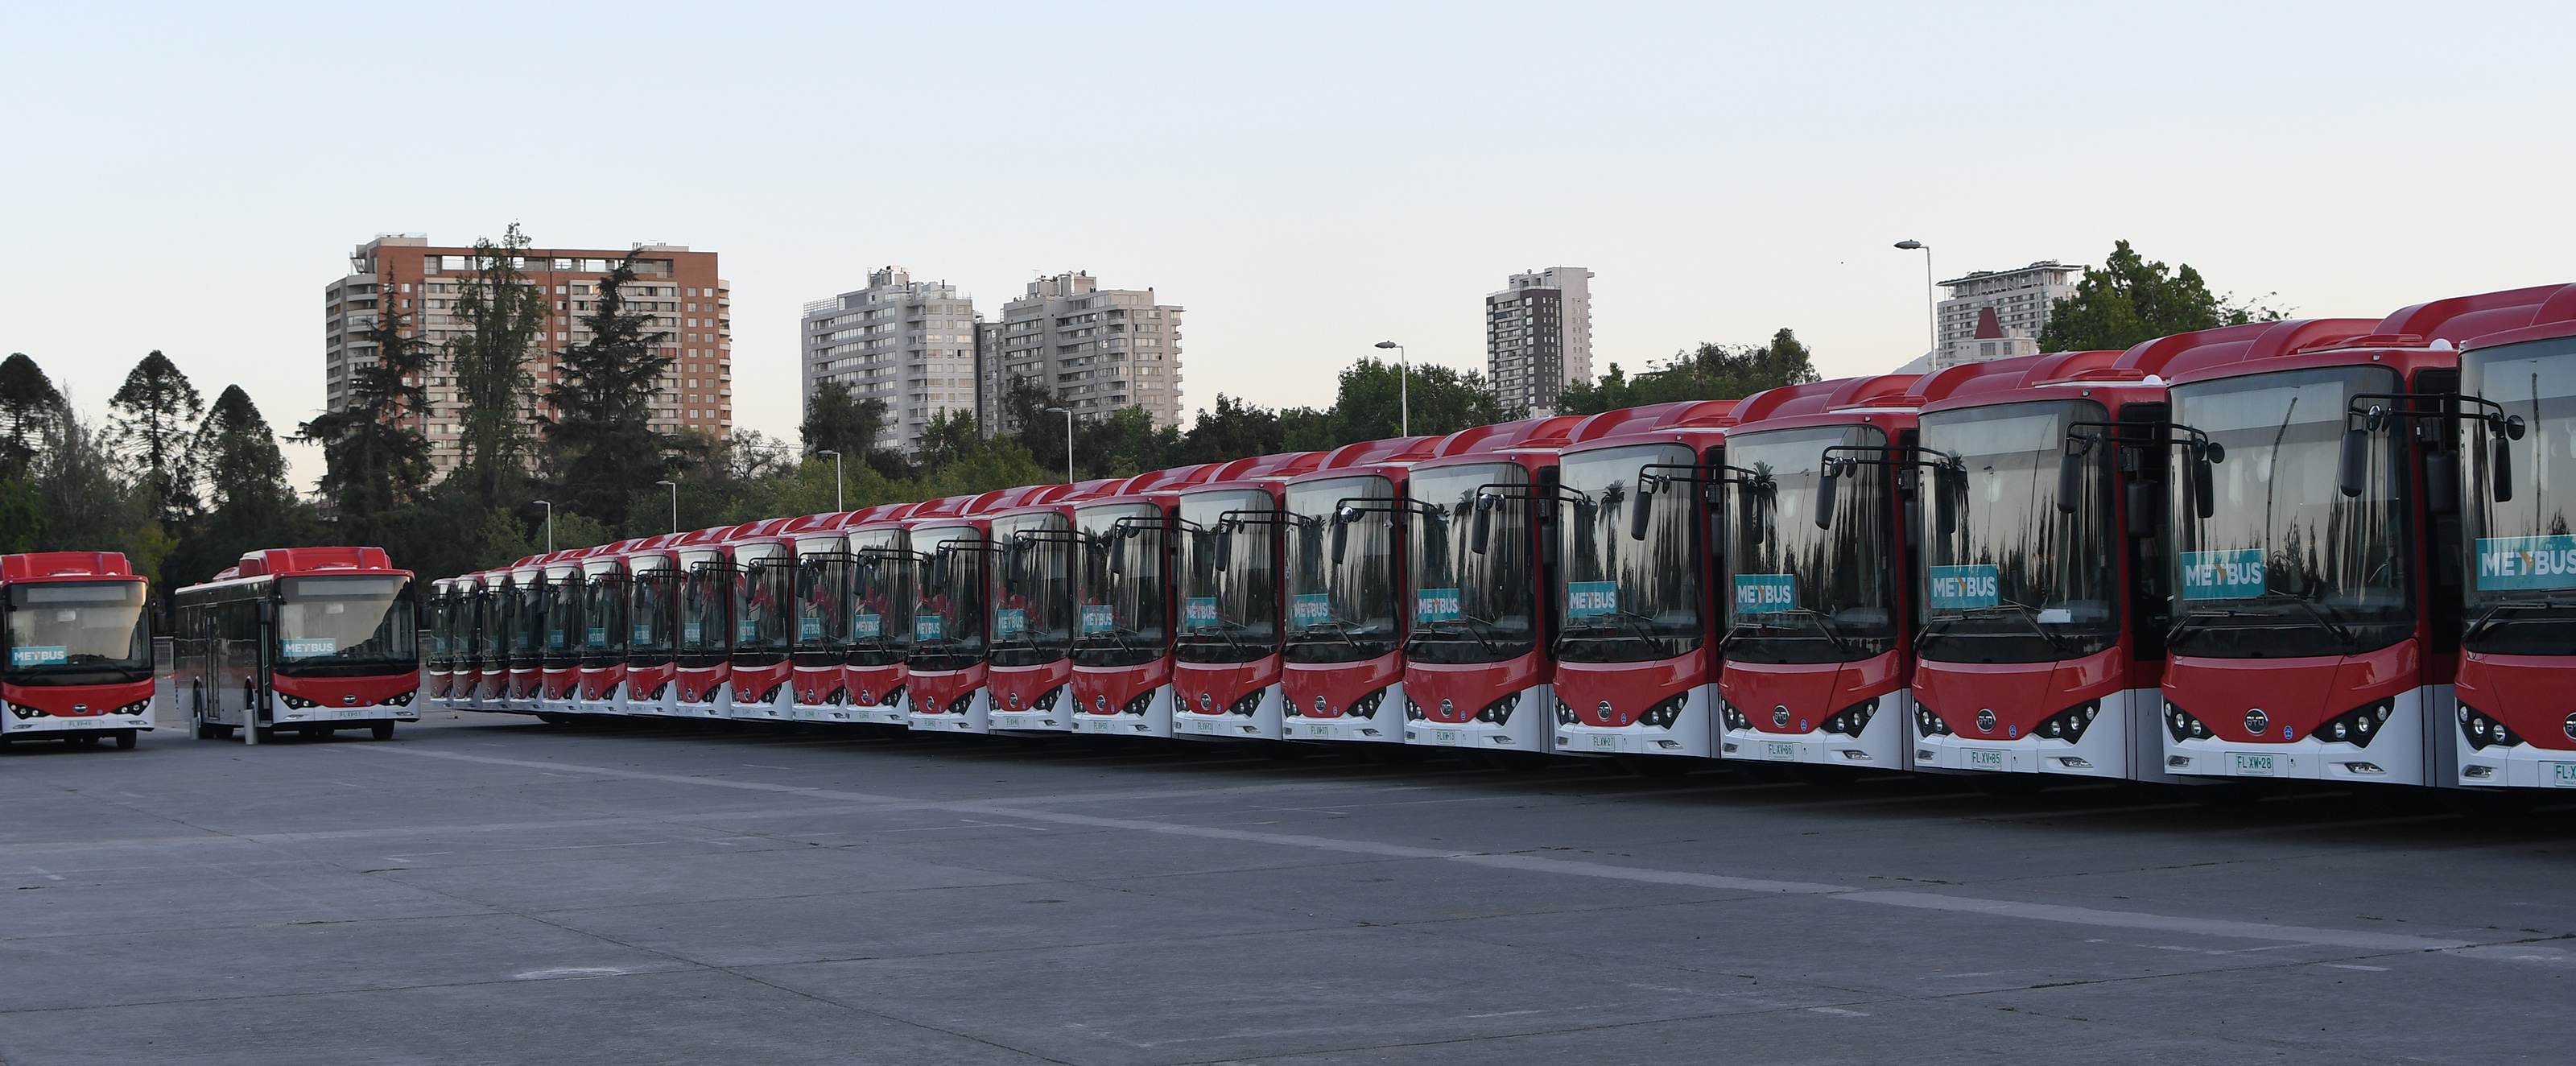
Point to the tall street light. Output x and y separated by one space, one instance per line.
550 523
674 486
1403 390
1068 441
1931 307
836 480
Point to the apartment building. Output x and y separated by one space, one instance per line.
1097 349
909 343
1538 337
405 275
2019 300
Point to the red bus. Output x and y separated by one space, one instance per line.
311 640
1122 656
80 648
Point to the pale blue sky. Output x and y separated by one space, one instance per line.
1306 179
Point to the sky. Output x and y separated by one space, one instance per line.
1305 179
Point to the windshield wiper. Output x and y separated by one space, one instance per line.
1823 624
1464 623
1341 627
2341 634
2023 611
2486 619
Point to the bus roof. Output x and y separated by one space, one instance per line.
277 561
35 566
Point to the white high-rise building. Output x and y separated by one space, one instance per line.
1097 349
908 343
2020 300
1538 337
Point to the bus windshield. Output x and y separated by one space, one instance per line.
603 615
2515 608
705 591
343 625
78 633
651 590
1340 612
1123 615
881 596
764 594
2016 579
1628 600
1470 607
2287 565
948 612
1229 612
822 601
1032 589
494 606
1799 593
566 604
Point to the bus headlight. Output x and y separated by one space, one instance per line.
892 698
401 699
2068 725
1735 719
23 711
1664 714
1046 701
1929 724
1412 710
2358 725
136 707
1139 705
2484 732
1366 706
2182 726
1851 720
1500 711
1565 715
1248 703
295 701
958 706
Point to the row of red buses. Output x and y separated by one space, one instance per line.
2324 549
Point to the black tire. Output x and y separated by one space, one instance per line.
557 719
222 732
382 730
266 734
205 730
125 740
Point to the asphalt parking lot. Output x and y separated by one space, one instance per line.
488 889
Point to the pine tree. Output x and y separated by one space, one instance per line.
505 316
600 445
372 462
29 409
152 422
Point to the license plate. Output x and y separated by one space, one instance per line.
1319 731
2562 775
84 723
1444 736
1985 760
1604 742
2253 765
350 714
1205 727
1779 752
1098 727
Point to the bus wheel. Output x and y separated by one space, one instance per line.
549 719
125 740
266 734
382 730
206 730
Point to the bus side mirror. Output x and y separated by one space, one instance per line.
1640 507
2442 483
2355 463
936 581
1945 499
1825 483
267 612
1224 548
1014 558
1342 532
2070 480
2501 472
2142 510
2204 478
1480 529
1118 551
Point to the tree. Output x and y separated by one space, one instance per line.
29 408
251 505
1710 372
505 316
84 505
373 462
152 421
2132 299
1371 401
838 420
600 444
1234 430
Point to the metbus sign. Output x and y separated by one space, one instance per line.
1961 587
2222 575
2527 562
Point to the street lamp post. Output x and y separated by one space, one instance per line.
674 486
1068 440
1403 389
836 480
1931 307
550 523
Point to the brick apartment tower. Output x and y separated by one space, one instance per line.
405 274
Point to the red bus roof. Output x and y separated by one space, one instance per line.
305 560
37 565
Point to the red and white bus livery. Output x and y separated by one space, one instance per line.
1227 668
1029 666
1348 607
310 640
80 648
1122 650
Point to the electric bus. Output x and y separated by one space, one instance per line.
1122 654
601 635
2043 604
80 648
439 666
764 625
703 649
559 649
883 570
2317 624
1479 667
944 672
1343 653
652 570
819 656
310 640
1029 667
492 640
2517 681
1634 662
1227 667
